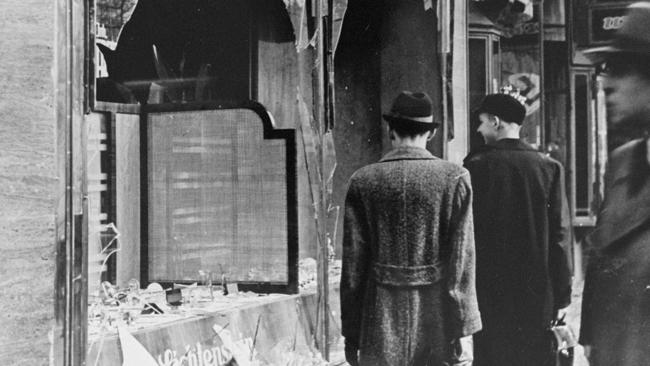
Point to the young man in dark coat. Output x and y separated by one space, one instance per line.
522 231
615 327
407 287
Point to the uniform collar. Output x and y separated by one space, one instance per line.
630 176
408 153
636 165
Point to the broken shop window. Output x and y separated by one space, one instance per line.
172 51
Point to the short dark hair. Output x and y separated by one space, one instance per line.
406 128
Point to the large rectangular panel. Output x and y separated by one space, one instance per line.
217 198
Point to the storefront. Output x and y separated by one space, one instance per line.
211 142
200 152
189 163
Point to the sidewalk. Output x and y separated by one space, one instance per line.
337 355
573 319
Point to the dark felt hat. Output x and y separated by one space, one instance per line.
504 106
412 108
632 37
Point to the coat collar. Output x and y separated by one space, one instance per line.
634 164
627 208
408 153
512 144
503 144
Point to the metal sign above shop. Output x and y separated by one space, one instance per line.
603 23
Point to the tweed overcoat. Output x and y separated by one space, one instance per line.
522 231
616 298
407 287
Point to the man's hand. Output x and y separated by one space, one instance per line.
462 352
352 353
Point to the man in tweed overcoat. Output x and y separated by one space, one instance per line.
407 287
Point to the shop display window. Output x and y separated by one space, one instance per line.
192 173
220 197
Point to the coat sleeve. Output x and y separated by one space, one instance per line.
463 317
355 265
560 241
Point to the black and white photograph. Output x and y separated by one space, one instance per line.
325 182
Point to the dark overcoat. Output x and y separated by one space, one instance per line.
616 298
522 231
407 287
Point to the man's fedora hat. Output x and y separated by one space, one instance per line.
632 37
413 108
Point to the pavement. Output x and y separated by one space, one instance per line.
573 320
337 356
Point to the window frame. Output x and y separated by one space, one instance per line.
586 216
269 132
492 70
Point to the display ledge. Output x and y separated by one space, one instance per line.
272 329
